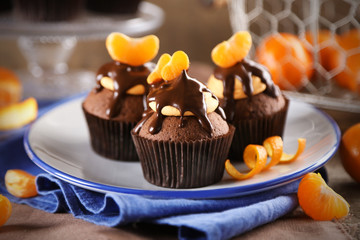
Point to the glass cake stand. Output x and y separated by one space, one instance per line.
47 47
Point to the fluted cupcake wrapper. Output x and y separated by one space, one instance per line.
255 131
111 139
183 164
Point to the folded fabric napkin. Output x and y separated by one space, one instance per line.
195 219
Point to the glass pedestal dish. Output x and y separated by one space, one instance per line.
47 47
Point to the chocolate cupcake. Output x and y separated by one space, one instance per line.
48 10
118 100
251 101
183 139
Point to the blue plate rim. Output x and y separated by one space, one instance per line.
195 193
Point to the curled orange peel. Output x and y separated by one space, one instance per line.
274 148
254 157
288 158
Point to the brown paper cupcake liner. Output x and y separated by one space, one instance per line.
183 164
255 131
111 139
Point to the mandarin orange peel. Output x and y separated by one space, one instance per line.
255 158
288 158
274 148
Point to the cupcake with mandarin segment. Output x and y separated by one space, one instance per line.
249 97
183 139
118 100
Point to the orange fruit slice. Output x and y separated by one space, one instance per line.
132 51
20 183
255 158
350 151
228 53
319 201
5 209
287 59
10 87
18 114
179 61
288 158
155 75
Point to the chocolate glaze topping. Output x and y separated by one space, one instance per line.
185 94
243 71
124 77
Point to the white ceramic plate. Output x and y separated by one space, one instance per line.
58 142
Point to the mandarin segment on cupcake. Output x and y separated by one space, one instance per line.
179 61
132 51
228 53
155 75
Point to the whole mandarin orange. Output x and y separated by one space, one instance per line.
327 45
287 59
348 60
350 151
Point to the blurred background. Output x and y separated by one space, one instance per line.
193 26
71 51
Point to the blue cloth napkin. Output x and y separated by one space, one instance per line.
195 219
